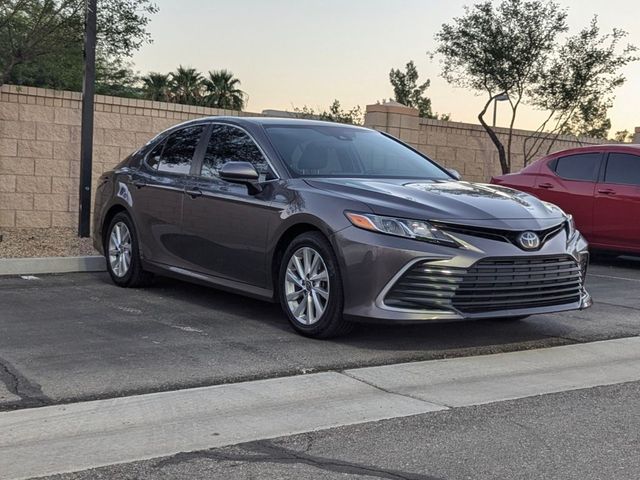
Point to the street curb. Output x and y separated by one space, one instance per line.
57 439
33 266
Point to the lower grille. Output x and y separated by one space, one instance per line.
426 286
490 285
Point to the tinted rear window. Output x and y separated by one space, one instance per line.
583 166
623 168
179 150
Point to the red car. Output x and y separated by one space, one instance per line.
598 185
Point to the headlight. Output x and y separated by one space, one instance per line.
401 227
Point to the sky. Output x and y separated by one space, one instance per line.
308 52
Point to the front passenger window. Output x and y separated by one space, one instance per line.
230 144
623 168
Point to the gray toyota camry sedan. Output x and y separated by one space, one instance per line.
336 223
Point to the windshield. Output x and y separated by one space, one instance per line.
338 151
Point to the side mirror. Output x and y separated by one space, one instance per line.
455 173
241 172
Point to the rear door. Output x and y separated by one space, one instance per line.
569 181
617 203
157 194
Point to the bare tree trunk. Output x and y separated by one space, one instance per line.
514 110
504 165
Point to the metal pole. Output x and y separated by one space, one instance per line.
495 106
86 141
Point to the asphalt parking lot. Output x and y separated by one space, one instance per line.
74 337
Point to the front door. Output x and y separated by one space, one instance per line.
226 226
617 203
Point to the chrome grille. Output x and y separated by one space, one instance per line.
490 285
509 236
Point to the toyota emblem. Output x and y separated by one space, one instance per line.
529 240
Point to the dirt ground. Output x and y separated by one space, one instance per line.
43 242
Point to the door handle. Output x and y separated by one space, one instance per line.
607 191
546 185
194 192
139 183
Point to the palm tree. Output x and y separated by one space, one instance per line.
222 91
186 85
156 87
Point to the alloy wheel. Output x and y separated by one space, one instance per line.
306 285
120 249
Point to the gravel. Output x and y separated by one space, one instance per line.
43 242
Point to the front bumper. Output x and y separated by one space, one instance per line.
372 263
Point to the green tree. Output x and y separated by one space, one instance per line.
186 86
407 91
335 113
499 51
623 136
60 70
157 87
63 71
513 48
578 86
116 78
222 90
589 119
36 34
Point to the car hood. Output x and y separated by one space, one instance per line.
449 201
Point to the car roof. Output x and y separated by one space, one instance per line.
266 121
605 147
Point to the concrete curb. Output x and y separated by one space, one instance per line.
34 266
49 440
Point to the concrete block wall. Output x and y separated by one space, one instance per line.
40 147
463 146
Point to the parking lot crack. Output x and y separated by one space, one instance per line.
265 451
29 392
391 392
618 305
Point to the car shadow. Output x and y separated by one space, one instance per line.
622 261
490 334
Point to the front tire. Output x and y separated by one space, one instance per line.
310 288
122 253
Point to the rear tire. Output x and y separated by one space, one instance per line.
310 288
122 253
